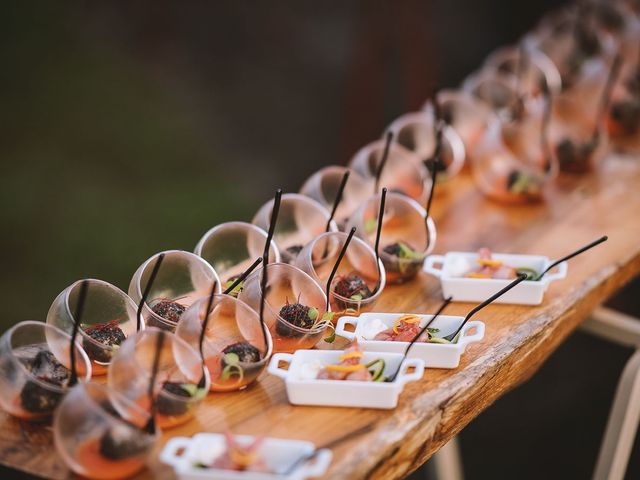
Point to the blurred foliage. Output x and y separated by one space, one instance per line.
133 127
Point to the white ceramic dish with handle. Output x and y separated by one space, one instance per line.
463 289
279 455
304 389
434 355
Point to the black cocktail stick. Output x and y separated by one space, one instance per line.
77 316
336 202
606 96
147 289
150 427
544 128
434 173
489 300
265 263
383 161
205 324
331 444
337 264
243 276
571 255
383 199
419 334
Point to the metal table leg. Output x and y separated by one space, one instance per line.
624 416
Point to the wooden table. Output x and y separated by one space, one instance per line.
431 411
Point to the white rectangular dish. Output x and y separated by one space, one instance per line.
304 389
434 355
279 455
463 289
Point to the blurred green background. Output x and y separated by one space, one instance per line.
133 127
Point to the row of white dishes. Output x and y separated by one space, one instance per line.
303 386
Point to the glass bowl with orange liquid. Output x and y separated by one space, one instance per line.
503 176
498 90
109 318
35 369
294 308
323 187
466 114
94 440
403 172
300 219
358 282
236 345
578 143
416 132
182 278
405 239
231 247
623 117
178 387
538 69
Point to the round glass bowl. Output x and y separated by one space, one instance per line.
300 219
358 282
466 114
498 90
182 279
538 70
234 344
109 317
294 306
404 172
501 175
35 369
574 145
404 241
230 248
623 119
572 53
176 387
323 187
92 438
415 131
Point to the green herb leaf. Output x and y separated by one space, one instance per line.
231 358
313 313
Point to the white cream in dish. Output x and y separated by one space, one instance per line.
372 328
205 453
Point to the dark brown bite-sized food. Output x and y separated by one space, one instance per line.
46 368
108 334
169 310
296 314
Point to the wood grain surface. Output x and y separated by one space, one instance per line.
518 339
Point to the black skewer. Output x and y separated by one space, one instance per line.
150 427
544 128
420 333
147 290
383 161
571 255
489 300
336 202
205 324
337 264
435 163
331 444
242 276
606 96
77 316
265 262
383 199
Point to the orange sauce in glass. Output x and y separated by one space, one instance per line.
95 465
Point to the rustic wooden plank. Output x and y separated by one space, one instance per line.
518 339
